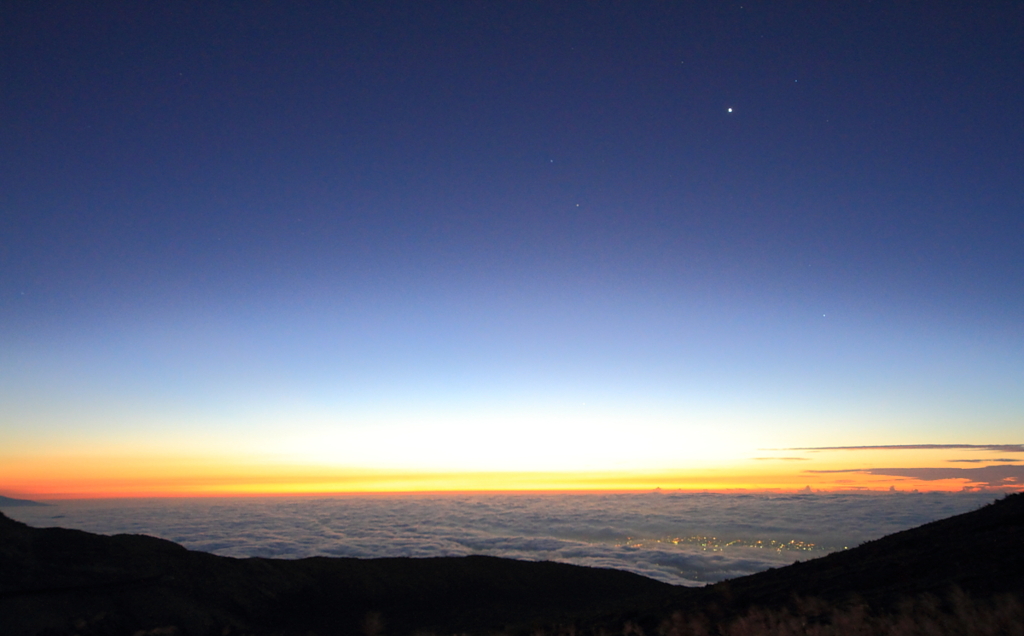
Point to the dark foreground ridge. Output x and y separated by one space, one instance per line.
58 582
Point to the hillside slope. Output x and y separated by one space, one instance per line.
980 552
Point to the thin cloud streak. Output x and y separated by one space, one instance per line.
1003 448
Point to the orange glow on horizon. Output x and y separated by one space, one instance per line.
92 476
252 486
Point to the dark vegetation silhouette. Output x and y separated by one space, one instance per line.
961 575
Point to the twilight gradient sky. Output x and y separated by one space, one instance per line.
509 245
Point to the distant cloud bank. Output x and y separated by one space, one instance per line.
1000 474
992 477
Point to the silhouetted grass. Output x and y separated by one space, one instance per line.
956 614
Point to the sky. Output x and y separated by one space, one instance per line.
338 247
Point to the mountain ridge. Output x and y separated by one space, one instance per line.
11 502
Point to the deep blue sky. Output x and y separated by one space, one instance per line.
454 198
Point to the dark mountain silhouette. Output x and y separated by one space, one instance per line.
11 502
59 582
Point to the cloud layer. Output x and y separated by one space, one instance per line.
680 538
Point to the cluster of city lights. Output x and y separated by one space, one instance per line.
714 544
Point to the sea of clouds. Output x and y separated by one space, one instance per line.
681 538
